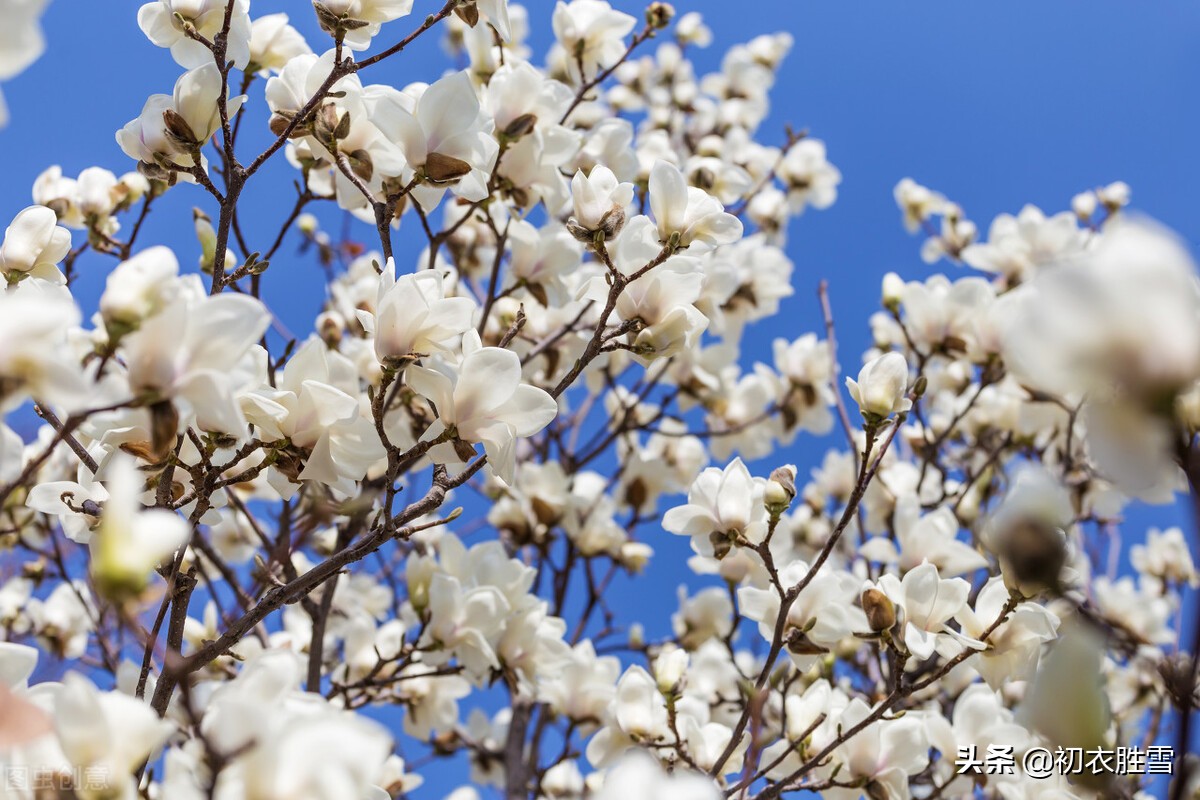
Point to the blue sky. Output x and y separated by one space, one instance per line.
993 103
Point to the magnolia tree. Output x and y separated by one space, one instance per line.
249 556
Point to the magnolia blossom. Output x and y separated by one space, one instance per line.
1016 246
446 138
637 713
33 245
929 602
483 400
1165 556
356 22
592 35
527 107
139 288
687 215
724 508
661 306
1014 648
167 22
1127 317
172 128
809 178
106 734
599 203
273 43
882 385
884 755
542 260
929 538
287 741
130 541
414 318
823 614
34 325
21 40
190 352
312 407
918 203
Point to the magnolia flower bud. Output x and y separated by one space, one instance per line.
637 636
880 388
1084 205
33 245
780 490
634 556
307 224
669 670
892 290
207 236
1115 196
881 613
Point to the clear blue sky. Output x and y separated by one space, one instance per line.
993 103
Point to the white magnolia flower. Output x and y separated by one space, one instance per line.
76 504
637 713
139 288
823 615
190 353
1166 557
483 400
592 35
414 318
661 305
34 359
172 128
446 138
130 542
467 622
273 43
316 406
724 506
884 755
686 215
1014 648
932 538
105 734
290 743
374 13
527 106
21 40
1017 246
881 388
1124 318
166 22
929 602
810 180
599 201
690 29
806 369
918 203
542 261
33 245
640 777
